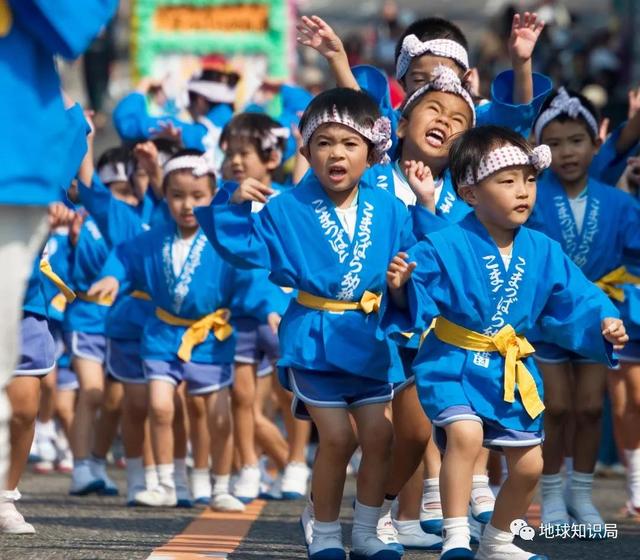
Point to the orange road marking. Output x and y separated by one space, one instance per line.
210 535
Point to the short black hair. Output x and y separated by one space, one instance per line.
188 152
167 146
358 105
564 117
255 129
471 146
113 156
427 29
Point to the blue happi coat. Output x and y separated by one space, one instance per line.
610 235
205 284
461 276
299 238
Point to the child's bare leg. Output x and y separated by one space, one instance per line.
589 396
65 409
24 395
243 397
298 431
91 379
631 441
516 494
47 397
268 436
134 416
431 507
558 411
200 447
464 442
109 418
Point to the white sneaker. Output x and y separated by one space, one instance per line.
157 497
294 481
12 522
411 536
482 503
43 467
431 517
83 481
46 449
247 486
272 491
65 462
226 503
386 532
306 522
505 552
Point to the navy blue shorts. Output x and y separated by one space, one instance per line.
407 356
495 436
551 354
333 389
37 347
201 379
630 352
255 343
123 360
67 380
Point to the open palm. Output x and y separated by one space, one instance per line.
525 31
314 32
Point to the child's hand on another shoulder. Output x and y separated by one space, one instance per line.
613 331
251 190
314 32
421 182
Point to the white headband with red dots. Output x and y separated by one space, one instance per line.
563 103
413 47
507 156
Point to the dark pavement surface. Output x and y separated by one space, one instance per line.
97 528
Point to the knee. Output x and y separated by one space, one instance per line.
588 412
464 437
339 444
528 470
408 436
242 396
92 397
221 423
557 410
24 417
162 413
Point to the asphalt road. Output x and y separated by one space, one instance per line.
98 528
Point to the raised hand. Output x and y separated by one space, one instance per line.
399 271
613 330
60 215
169 131
421 181
634 102
251 189
525 31
314 32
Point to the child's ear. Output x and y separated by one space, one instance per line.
469 194
402 127
305 153
275 160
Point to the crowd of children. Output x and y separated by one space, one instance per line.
226 278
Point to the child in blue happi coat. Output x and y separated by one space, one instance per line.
598 227
329 238
479 279
254 145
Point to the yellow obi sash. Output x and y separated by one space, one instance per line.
369 303
610 283
98 300
510 346
139 294
45 268
59 302
198 329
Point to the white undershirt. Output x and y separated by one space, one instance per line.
506 260
180 252
579 208
348 217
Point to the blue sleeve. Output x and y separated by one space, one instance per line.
125 264
425 221
117 221
77 130
131 119
608 165
502 112
64 27
572 315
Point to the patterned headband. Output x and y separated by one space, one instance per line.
413 47
216 92
379 134
507 156
273 136
563 103
442 79
199 165
113 172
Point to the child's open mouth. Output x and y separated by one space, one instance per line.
337 173
435 137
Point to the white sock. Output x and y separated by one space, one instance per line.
166 477
135 471
386 507
46 429
480 490
151 477
365 519
324 531
200 483
455 533
431 490
98 466
551 487
9 496
220 484
180 472
633 475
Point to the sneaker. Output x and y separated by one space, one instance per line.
306 522
294 481
411 536
183 495
431 517
65 462
482 503
12 522
365 546
99 471
475 529
43 467
83 481
273 491
226 503
386 532
157 497
247 486
505 552
46 449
